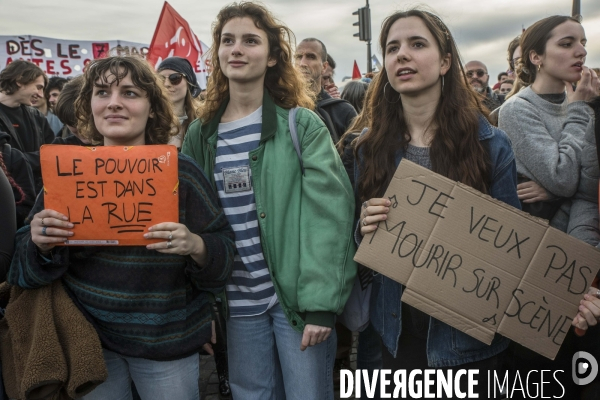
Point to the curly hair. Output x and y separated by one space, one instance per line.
111 70
282 81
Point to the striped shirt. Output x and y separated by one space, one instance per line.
250 290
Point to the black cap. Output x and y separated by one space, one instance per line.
182 65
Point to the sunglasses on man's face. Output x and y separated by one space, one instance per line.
479 72
174 78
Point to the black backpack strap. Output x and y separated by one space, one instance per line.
331 101
321 110
328 123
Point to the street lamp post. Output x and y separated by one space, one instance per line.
364 30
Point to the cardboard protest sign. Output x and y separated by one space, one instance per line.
112 194
478 264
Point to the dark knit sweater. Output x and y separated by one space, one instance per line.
142 303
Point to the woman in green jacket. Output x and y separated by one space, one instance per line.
292 215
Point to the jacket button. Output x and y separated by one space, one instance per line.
394 315
294 323
262 215
254 158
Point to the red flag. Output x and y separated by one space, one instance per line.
174 37
356 72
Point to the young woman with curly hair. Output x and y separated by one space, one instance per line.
292 214
150 304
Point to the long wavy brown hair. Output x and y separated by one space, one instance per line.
159 128
283 82
455 149
190 105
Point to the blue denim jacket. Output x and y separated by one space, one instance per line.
447 346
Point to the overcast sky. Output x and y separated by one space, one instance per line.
482 28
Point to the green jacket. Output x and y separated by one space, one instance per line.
305 221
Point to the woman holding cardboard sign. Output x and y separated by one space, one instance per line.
423 110
150 305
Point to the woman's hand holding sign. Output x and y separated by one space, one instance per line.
178 240
373 211
589 310
48 229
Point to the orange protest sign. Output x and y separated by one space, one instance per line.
112 194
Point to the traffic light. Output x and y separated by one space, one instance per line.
364 24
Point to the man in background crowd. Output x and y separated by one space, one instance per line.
327 79
311 60
502 76
55 86
506 87
477 74
45 104
20 83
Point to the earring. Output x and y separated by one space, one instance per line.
442 85
539 67
385 97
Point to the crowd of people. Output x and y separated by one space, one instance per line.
257 274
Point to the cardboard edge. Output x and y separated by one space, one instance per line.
504 321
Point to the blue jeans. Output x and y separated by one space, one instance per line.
265 361
154 380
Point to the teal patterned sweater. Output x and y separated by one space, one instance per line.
142 303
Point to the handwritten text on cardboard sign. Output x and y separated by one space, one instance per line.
112 194
478 264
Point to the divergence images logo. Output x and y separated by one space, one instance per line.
583 364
